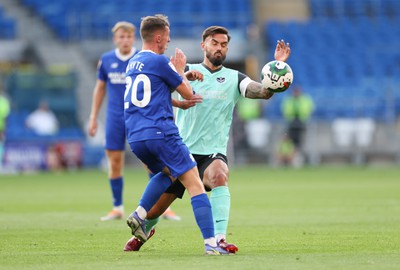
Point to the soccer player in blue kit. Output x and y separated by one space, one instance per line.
111 81
111 73
205 128
152 133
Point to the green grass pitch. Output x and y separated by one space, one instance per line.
311 218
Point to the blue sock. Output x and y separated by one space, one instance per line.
202 212
117 186
157 185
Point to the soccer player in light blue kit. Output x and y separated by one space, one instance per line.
205 127
111 81
152 133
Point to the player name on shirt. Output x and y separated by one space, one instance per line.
135 65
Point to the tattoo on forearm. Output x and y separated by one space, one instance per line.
256 91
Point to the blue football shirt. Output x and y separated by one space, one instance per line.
111 69
148 103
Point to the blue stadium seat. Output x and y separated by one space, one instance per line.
346 55
8 27
99 15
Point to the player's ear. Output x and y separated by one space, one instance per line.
202 45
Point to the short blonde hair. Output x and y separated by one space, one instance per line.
126 26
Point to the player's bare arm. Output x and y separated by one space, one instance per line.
179 62
255 90
187 103
191 75
98 97
282 51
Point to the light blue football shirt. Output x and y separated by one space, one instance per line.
205 127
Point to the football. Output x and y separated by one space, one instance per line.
276 76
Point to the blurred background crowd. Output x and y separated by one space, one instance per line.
344 105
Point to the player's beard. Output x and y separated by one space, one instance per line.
215 60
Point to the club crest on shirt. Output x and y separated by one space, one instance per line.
114 65
220 79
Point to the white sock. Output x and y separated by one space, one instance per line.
119 208
210 241
220 236
142 213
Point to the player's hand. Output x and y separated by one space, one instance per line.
179 61
188 103
282 51
92 130
193 75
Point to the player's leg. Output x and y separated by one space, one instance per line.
178 161
134 244
168 213
154 189
153 154
115 166
202 210
115 146
216 178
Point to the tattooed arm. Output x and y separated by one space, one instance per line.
252 89
255 90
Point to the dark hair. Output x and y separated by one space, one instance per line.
210 31
150 24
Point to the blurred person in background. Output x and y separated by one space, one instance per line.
4 112
43 121
111 75
286 151
297 109
247 110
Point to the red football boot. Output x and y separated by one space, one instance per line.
231 248
134 244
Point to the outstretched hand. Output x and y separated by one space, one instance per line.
188 103
179 60
193 75
282 51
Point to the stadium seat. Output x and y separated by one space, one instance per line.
69 19
349 47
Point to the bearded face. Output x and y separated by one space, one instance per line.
216 58
215 48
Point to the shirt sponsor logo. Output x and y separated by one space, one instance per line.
117 77
212 94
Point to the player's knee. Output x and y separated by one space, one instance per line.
115 163
219 179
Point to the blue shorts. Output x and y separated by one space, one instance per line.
115 133
169 151
203 161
